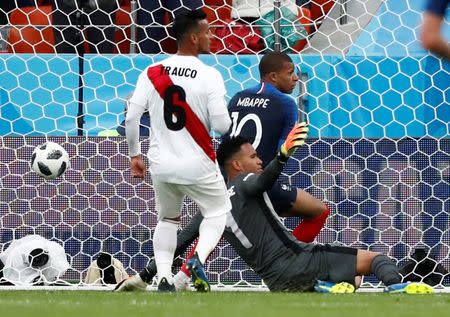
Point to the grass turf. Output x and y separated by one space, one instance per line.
230 304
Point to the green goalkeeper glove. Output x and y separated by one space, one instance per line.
294 140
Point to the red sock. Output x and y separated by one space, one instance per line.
184 269
308 229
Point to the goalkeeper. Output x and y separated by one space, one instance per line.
254 230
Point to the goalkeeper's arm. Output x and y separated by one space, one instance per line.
295 139
259 183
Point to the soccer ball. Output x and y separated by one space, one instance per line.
50 160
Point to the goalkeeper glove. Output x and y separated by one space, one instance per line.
294 139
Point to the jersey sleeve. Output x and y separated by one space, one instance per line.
437 7
282 197
290 118
256 184
217 108
137 106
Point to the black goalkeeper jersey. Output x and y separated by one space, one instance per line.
254 229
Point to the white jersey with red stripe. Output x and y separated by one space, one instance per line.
185 99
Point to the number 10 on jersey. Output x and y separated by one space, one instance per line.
238 125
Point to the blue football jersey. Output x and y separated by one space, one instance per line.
437 7
264 115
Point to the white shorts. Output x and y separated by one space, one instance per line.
211 197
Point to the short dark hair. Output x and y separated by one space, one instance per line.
273 62
228 148
185 22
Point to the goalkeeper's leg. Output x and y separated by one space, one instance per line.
387 271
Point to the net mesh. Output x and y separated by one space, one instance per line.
377 104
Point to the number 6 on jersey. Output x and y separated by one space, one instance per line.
173 98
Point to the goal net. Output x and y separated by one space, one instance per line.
377 104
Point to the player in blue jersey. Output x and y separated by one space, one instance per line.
265 113
433 19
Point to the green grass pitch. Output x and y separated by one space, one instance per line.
229 304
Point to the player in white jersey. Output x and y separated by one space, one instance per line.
33 260
185 99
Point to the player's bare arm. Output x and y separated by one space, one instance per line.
306 206
137 166
431 36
